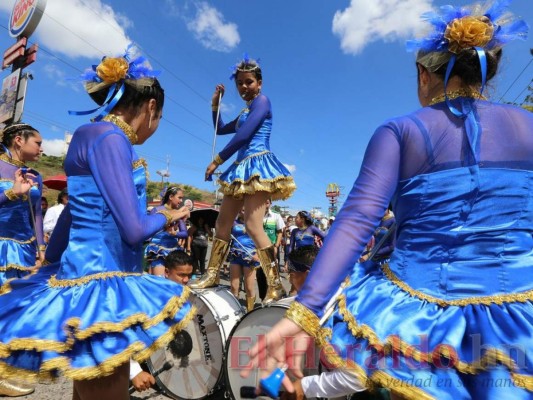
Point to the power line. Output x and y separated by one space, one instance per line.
516 79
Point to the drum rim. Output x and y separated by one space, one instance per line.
226 346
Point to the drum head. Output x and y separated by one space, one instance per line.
198 351
245 334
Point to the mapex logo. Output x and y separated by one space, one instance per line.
24 14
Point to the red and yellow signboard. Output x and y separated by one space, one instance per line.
25 17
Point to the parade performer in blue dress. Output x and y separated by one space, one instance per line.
450 316
166 241
243 261
305 234
86 315
21 223
254 177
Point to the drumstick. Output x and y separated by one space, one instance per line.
166 366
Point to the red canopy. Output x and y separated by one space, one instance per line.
57 182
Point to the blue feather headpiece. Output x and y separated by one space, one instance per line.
486 27
113 73
245 65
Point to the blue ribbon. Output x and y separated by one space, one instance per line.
471 125
111 100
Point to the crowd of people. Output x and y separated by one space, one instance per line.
420 286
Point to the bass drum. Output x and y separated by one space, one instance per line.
253 325
197 351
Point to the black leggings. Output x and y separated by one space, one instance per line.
198 257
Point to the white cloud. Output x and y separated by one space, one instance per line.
290 167
60 77
53 147
364 22
80 28
210 29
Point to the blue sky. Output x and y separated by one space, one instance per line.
333 70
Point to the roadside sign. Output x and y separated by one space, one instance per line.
21 43
25 17
7 61
8 96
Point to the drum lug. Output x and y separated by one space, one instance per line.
220 319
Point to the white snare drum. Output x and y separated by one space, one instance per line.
198 351
245 335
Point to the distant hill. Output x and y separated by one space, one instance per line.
52 165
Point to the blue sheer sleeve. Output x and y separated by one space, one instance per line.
110 160
356 221
293 240
222 128
317 232
39 215
182 230
60 236
259 110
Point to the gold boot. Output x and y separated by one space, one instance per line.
13 388
211 277
267 258
250 303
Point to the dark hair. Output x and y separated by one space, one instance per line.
306 216
302 258
11 131
170 191
177 258
61 196
134 96
467 66
249 66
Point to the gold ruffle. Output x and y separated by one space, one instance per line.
62 283
490 358
18 267
137 350
499 299
6 287
280 188
30 240
305 319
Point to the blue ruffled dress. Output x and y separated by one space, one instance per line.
93 310
18 242
163 243
242 247
450 316
256 168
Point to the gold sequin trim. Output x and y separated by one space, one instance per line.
10 194
124 127
137 351
458 93
280 188
377 379
54 282
523 381
30 240
499 299
167 215
252 156
18 267
305 319
6 287
4 157
218 160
